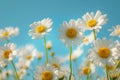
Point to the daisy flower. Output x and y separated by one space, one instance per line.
70 33
8 52
102 53
28 53
41 28
85 70
45 72
88 39
115 31
93 21
8 32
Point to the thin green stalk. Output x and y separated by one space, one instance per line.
46 50
94 34
88 77
107 76
15 71
70 63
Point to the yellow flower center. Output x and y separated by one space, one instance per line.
55 65
7 53
104 52
71 33
28 57
5 34
47 75
92 23
118 32
110 67
86 70
40 29
85 40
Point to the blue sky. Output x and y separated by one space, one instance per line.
21 13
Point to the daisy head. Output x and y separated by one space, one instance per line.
115 31
45 72
8 52
41 28
70 33
92 21
8 32
86 69
102 53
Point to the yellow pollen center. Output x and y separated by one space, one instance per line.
85 40
5 34
71 33
118 32
7 53
47 75
110 67
86 70
55 65
104 52
28 57
40 29
92 23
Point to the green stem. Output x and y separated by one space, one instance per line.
46 50
94 34
70 63
15 71
88 77
107 76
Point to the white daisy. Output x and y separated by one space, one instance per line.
85 70
45 72
21 73
88 39
8 52
41 28
28 53
8 32
115 31
93 21
102 53
70 33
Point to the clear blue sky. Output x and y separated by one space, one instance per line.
22 13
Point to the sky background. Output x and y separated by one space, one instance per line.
22 13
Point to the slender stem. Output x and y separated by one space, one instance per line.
70 63
15 70
94 34
46 50
107 76
88 77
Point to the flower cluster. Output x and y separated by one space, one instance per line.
102 61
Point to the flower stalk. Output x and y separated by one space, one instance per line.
46 50
70 63
15 71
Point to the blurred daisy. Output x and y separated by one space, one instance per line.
49 45
41 28
8 32
21 73
93 21
45 72
88 39
70 33
115 31
28 53
85 70
102 52
8 52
